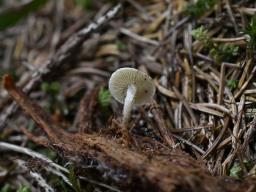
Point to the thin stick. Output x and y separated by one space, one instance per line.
138 37
222 84
39 116
31 153
246 83
206 110
99 184
187 129
231 15
237 125
165 91
185 103
215 106
230 40
217 140
158 116
222 79
189 143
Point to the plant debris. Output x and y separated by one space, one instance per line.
198 133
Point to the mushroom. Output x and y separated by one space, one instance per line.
131 87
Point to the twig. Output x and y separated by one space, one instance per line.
158 116
248 11
187 129
223 80
217 140
231 15
206 110
99 184
41 181
206 77
140 8
160 172
198 149
214 106
230 40
31 153
165 91
89 71
138 38
185 103
169 33
246 83
238 122
29 106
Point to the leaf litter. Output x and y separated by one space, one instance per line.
199 130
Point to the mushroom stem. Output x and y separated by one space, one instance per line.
128 103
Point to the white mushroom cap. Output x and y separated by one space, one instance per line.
123 77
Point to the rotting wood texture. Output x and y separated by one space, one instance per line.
175 171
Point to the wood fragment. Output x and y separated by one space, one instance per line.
156 173
217 140
165 91
246 83
185 103
206 110
158 116
138 37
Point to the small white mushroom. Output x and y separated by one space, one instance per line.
131 87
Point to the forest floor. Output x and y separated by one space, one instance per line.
61 130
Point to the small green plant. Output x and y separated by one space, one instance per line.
232 83
86 4
200 7
48 152
225 52
11 16
52 88
251 32
219 52
10 71
74 180
104 97
24 189
31 125
6 188
121 45
236 171
201 34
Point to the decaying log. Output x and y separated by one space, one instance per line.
173 171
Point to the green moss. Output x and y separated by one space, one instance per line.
52 88
74 180
201 34
232 83
200 7
219 52
224 52
11 16
86 4
104 97
251 32
24 189
6 188
9 71
121 45
236 171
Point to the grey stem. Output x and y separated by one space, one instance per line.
128 103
